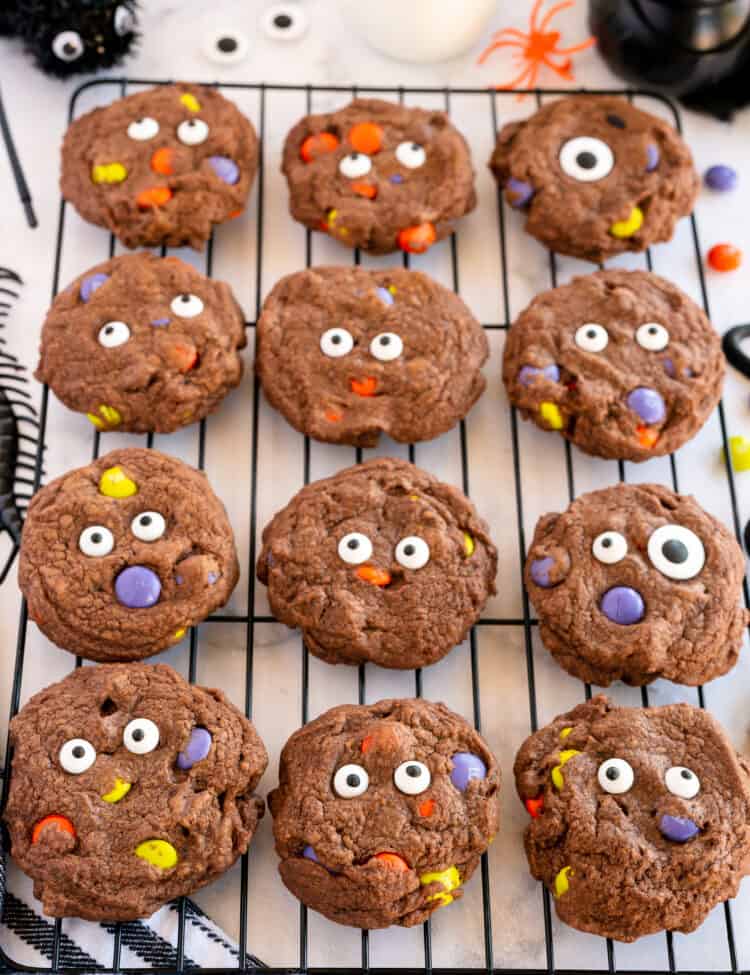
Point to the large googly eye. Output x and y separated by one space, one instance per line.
682 782
140 736
411 154
77 755
67 46
148 526
354 165
586 159
336 342
192 132
96 541
285 22
609 547
228 46
124 21
652 336
413 552
113 334
387 346
592 337
676 552
143 129
412 778
187 306
350 781
355 548
616 776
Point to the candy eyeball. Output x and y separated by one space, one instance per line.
148 526
616 776
586 159
652 336
412 778
354 165
336 342
124 20
192 132
350 781
411 154
77 755
386 347
609 547
140 736
592 337
285 22
355 548
228 46
113 334
68 46
412 552
682 782
143 129
676 552
96 541
187 306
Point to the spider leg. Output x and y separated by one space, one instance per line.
515 82
555 9
534 15
576 47
494 47
561 70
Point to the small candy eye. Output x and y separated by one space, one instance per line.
77 755
412 552
124 21
355 548
192 132
586 159
149 526
676 552
411 154
609 547
682 782
412 778
336 342
113 334
226 46
285 22
616 776
187 306
140 736
387 346
652 336
96 540
354 165
67 46
592 337
350 781
143 129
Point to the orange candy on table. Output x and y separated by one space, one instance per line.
318 145
724 257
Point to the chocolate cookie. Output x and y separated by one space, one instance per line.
119 558
595 176
639 816
346 354
635 582
379 176
142 344
621 363
129 787
383 811
161 166
380 562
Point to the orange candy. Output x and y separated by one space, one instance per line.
155 196
366 137
416 240
61 822
724 257
366 743
332 416
365 189
162 161
647 436
378 577
534 807
364 387
392 860
426 808
318 145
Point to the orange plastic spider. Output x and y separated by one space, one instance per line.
537 48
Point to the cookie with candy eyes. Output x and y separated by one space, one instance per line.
161 166
379 176
346 354
381 562
121 557
595 176
142 344
639 816
383 811
621 363
129 787
635 582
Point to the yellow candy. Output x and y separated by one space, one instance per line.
468 545
565 732
157 852
114 483
331 218
109 173
562 884
626 228
392 288
556 774
450 879
739 451
111 415
98 423
118 791
190 102
179 634
551 415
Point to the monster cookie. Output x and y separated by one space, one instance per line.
639 816
346 354
143 344
129 787
379 176
621 363
636 582
120 558
380 562
383 811
595 176
161 166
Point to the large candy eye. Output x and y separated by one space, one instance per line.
96 540
226 46
336 342
354 165
285 22
616 776
355 548
592 337
187 306
350 781
412 778
652 336
682 782
149 526
387 346
143 129
124 21
412 552
140 736
676 552
67 46
77 755
411 154
113 334
192 132
609 547
586 159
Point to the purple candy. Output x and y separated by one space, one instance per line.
212 577
197 748
721 178
309 854
159 321
647 403
623 605
465 768
526 374
540 569
137 587
179 580
90 284
669 366
652 157
518 193
385 296
397 178
678 829
226 169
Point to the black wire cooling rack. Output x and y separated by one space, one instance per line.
57 950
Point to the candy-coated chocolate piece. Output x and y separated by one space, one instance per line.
556 774
137 587
426 808
392 860
190 102
162 161
540 569
115 483
724 257
468 545
465 768
551 415
58 822
527 374
450 879
109 173
159 853
118 791
385 295
378 577
154 196
647 436
562 884
309 854
629 227
197 748
739 451
90 284
678 829
418 239
648 404
535 807
318 145
653 157
518 193
225 168
623 605
366 137
721 178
